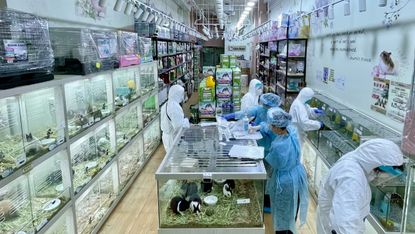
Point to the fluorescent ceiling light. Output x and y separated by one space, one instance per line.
150 18
118 5
248 8
129 8
138 13
145 15
251 4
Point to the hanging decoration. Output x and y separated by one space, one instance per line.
393 13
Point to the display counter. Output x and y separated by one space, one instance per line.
345 129
199 166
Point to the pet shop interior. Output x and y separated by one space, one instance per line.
138 116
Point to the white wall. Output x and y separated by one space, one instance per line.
360 37
65 13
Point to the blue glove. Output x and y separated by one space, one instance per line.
229 116
319 112
321 125
391 170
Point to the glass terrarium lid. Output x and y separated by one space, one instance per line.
198 154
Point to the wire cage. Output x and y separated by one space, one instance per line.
83 51
128 48
26 54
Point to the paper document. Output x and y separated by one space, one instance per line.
207 124
242 135
250 152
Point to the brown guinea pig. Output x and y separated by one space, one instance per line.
7 209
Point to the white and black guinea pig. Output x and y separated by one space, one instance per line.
228 186
178 205
195 203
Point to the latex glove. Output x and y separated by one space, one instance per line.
321 125
229 116
319 112
253 129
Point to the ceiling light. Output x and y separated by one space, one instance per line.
331 12
248 8
250 4
145 15
118 5
129 8
139 11
150 18
382 3
362 5
347 8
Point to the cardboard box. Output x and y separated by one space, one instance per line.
236 92
223 76
207 109
232 61
236 76
226 105
209 70
223 91
224 61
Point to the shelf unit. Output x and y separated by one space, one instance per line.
290 69
150 132
176 62
345 130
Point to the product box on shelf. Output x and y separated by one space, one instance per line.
226 105
236 105
236 76
224 61
223 91
207 109
26 52
128 48
83 51
236 92
224 76
209 71
206 94
145 29
145 49
232 61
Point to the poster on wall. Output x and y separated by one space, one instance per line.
398 99
380 95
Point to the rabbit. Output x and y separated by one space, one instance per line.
178 205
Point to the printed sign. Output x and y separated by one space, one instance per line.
398 99
380 95
15 51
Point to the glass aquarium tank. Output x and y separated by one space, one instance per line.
91 153
130 161
64 225
150 109
309 157
43 121
50 184
333 146
321 172
221 192
12 154
15 208
87 102
127 124
148 77
91 207
125 86
152 137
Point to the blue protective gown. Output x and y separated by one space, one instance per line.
268 136
259 113
287 182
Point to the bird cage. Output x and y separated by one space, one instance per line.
26 55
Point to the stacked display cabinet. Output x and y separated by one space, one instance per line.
67 163
345 129
290 69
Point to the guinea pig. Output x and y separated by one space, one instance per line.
228 186
195 203
7 210
178 205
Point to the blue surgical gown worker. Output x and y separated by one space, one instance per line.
288 183
258 113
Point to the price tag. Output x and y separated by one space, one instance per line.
243 201
20 160
207 175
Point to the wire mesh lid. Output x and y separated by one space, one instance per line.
25 45
199 153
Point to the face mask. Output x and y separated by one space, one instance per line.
258 92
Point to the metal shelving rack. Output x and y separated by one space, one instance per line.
60 81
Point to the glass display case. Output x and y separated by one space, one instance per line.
130 161
92 205
43 121
321 172
125 83
15 208
152 137
87 102
49 184
150 109
148 77
64 225
309 158
127 124
12 154
223 192
91 153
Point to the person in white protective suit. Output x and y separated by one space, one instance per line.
344 197
303 115
172 116
251 98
